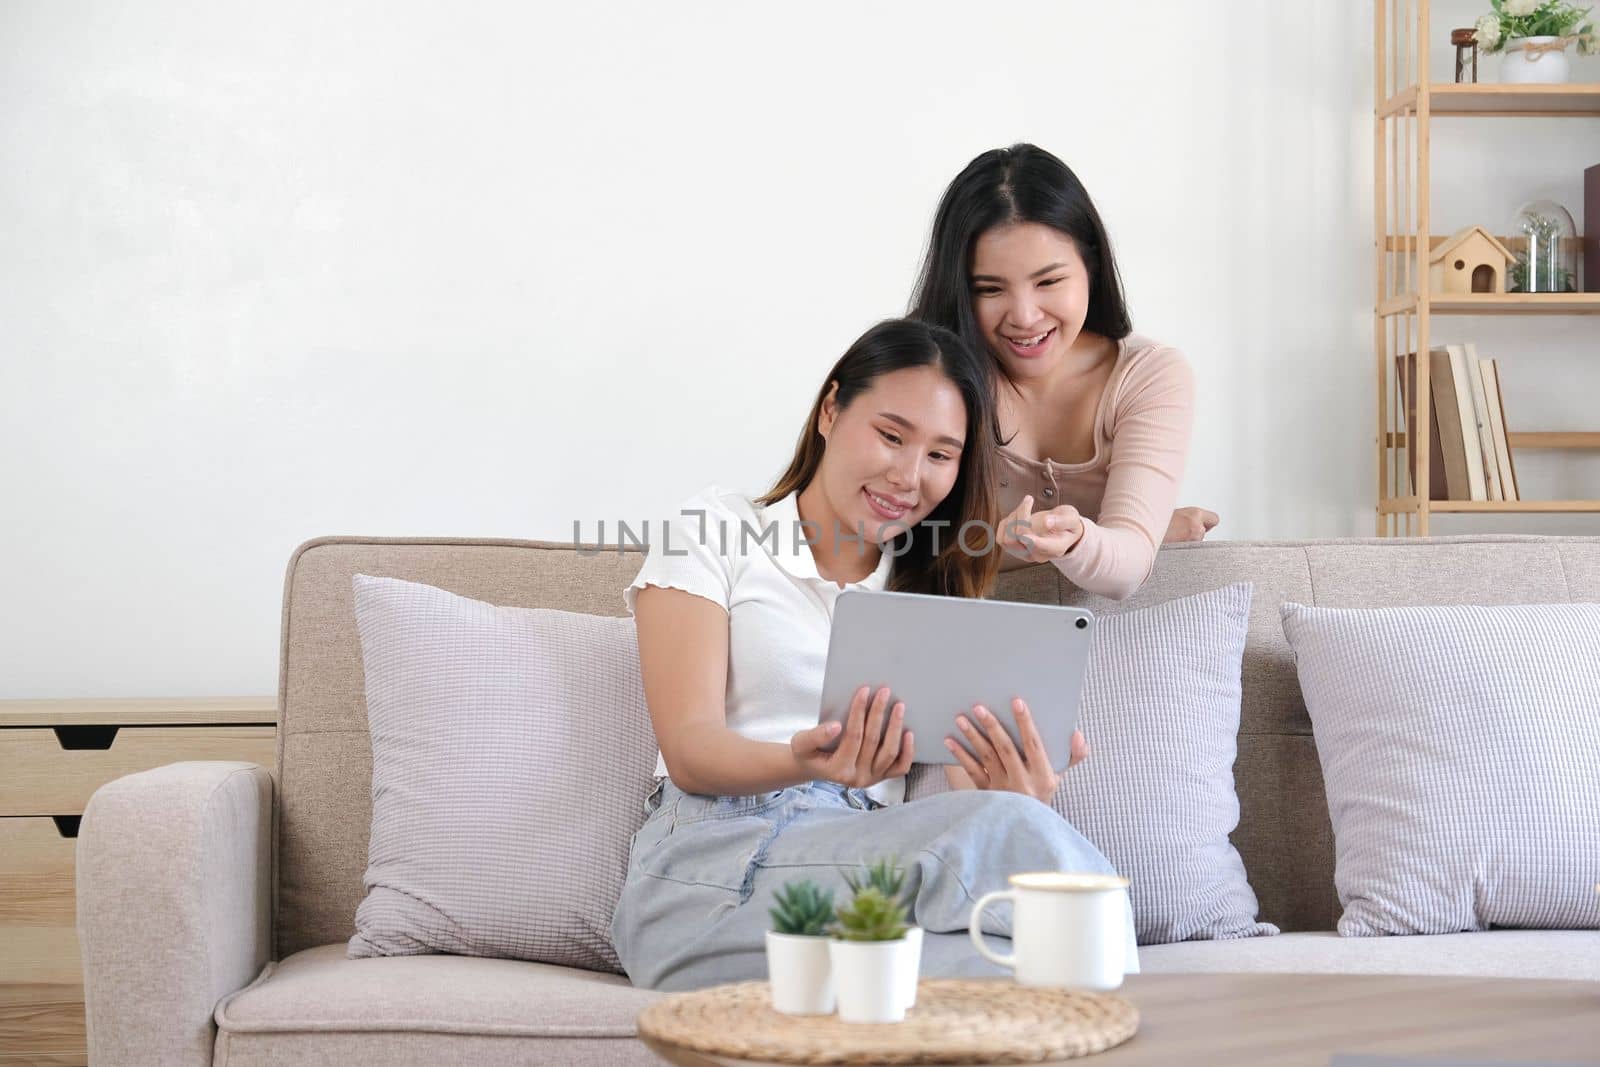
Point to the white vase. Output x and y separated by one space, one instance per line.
800 971
868 978
1547 68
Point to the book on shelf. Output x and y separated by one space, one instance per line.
1497 423
1438 483
1469 447
1470 440
1449 456
1480 415
1591 229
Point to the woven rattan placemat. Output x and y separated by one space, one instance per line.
955 1021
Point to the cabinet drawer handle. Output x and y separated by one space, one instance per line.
83 738
67 825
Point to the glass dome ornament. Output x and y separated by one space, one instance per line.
1544 238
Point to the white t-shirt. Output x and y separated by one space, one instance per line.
754 563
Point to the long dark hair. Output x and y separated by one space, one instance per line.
1023 183
966 562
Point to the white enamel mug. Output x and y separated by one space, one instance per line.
1068 931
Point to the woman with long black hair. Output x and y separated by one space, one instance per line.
1095 420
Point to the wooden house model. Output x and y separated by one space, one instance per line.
1471 261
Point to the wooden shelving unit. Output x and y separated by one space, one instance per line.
1406 102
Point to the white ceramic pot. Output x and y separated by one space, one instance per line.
1517 67
869 979
800 971
910 966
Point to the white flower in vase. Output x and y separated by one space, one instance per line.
1487 32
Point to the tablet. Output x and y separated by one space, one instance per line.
943 654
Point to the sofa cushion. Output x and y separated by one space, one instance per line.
1461 751
1160 709
319 1006
512 754
1490 953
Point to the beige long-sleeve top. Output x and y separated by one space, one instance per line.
1127 491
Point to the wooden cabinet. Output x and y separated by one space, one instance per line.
53 755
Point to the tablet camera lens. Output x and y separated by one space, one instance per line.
1083 624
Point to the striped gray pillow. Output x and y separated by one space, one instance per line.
511 757
1461 752
1160 710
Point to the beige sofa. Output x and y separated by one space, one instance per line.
214 901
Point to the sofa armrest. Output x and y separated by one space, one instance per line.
174 906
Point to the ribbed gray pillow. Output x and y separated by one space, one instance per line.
1160 710
1460 748
511 758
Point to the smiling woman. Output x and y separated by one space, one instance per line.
894 418
1095 420
891 486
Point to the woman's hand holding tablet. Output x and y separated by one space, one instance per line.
856 761
999 764
947 656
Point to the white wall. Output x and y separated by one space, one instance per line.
275 271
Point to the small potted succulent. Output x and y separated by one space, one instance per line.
873 954
799 964
890 880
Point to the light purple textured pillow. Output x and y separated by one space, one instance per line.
511 757
1460 748
1160 710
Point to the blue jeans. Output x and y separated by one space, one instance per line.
704 869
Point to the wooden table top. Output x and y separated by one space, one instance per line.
1285 1020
